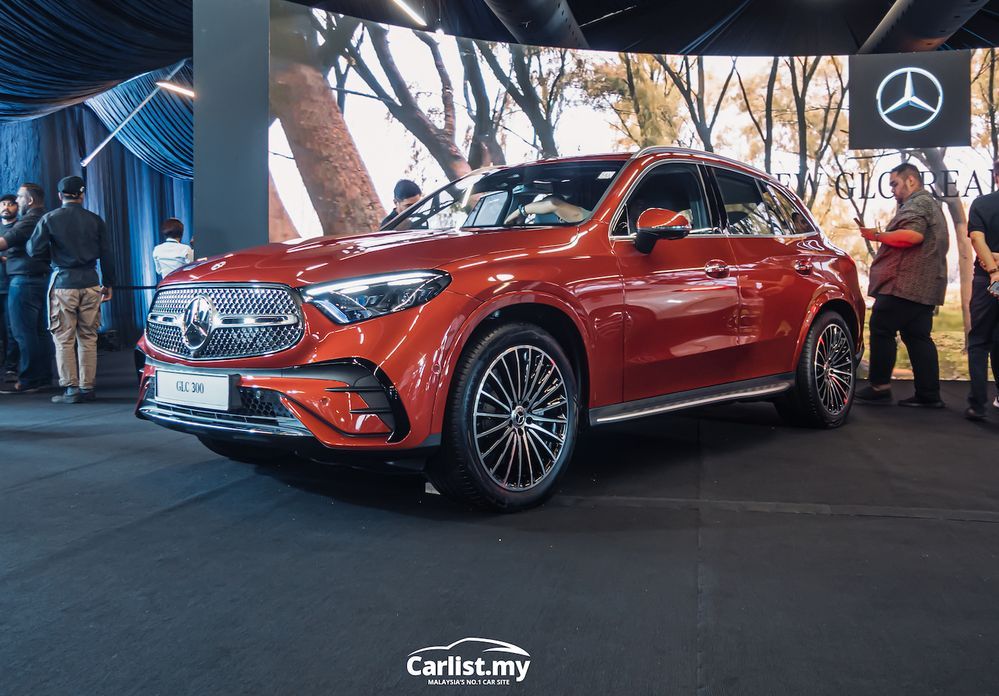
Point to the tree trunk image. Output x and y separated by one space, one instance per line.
331 168
280 228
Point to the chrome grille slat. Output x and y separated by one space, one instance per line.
252 320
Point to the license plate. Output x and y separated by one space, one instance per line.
193 389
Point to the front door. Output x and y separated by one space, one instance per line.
682 300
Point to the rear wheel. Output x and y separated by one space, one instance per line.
825 378
511 420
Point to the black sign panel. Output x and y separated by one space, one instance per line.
905 100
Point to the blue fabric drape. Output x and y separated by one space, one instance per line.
132 197
162 133
60 52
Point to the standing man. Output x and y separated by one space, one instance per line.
8 348
983 338
76 239
405 194
26 297
908 280
172 253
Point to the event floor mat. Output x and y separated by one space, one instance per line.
711 552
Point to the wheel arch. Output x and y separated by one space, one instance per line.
833 301
549 313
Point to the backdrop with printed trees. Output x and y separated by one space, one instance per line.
357 105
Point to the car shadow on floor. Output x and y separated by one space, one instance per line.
654 457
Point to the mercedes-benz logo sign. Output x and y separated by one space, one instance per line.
909 99
196 324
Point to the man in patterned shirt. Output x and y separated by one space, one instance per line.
908 281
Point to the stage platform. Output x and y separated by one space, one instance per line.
714 552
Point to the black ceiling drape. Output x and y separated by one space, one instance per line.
61 52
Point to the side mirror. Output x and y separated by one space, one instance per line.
659 223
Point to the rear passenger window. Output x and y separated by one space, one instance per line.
744 206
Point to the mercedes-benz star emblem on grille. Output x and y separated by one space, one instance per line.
909 99
196 324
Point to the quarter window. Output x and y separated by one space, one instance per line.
794 220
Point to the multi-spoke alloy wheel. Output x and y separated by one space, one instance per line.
825 376
833 369
521 416
510 425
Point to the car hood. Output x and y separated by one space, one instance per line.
323 259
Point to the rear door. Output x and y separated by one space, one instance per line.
775 268
681 300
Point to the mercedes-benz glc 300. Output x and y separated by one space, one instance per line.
479 331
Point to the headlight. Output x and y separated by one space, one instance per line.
357 299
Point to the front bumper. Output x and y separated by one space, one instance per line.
342 412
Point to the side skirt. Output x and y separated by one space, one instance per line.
732 391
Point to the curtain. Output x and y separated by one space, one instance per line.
161 134
132 197
60 52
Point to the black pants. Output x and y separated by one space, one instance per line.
893 315
26 303
8 346
983 340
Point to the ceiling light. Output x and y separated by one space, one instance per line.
176 88
411 12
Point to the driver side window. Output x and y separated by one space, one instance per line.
675 187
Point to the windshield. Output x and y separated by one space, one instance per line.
560 193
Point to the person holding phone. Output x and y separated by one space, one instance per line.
983 338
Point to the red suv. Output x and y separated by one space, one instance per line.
476 333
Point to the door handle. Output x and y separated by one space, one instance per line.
716 269
803 267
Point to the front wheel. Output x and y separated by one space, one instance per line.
511 420
825 378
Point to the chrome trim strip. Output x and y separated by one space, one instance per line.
651 410
225 320
165 318
154 413
701 155
228 320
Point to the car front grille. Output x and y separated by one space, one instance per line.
246 320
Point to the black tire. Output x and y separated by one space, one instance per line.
462 470
245 453
822 400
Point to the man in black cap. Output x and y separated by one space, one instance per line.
405 194
76 239
8 348
26 297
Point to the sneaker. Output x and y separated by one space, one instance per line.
996 402
871 395
88 395
974 414
916 402
70 396
20 388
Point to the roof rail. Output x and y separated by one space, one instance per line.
668 150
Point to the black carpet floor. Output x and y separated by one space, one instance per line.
716 552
